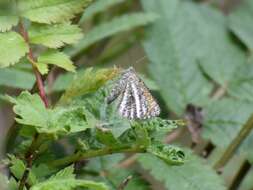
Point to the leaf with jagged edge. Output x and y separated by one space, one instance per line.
57 58
8 15
118 24
51 11
194 174
55 36
183 28
65 180
96 7
170 154
12 48
86 82
61 120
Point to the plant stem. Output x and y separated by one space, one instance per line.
243 133
94 153
31 153
31 58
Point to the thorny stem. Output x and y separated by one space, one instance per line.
94 153
31 153
232 147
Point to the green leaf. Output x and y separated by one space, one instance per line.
96 7
242 84
18 168
183 28
170 154
55 36
118 24
51 11
65 180
193 175
240 22
7 22
12 48
16 78
32 112
8 17
55 58
42 67
86 82
224 120
174 61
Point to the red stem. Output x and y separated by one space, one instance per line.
32 59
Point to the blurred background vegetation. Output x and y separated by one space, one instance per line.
195 56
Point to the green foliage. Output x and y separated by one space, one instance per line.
96 7
54 36
118 24
51 11
171 155
18 167
86 82
65 180
181 56
240 23
8 18
55 121
193 175
12 44
16 78
55 58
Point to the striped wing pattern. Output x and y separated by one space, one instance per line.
136 102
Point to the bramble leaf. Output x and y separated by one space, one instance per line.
118 24
12 48
192 175
51 11
8 16
57 58
55 36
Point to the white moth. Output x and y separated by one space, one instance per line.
135 100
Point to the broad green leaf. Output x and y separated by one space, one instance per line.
63 81
192 175
65 180
240 22
173 61
54 36
96 7
223 121
7 22
118 24
51 11
42 67
12 48
18 168
242 84
170 154
106 137
56 58
88 81
16 78
32 112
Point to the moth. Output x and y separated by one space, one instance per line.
135 100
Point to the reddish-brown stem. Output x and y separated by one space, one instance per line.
31 153
31 58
